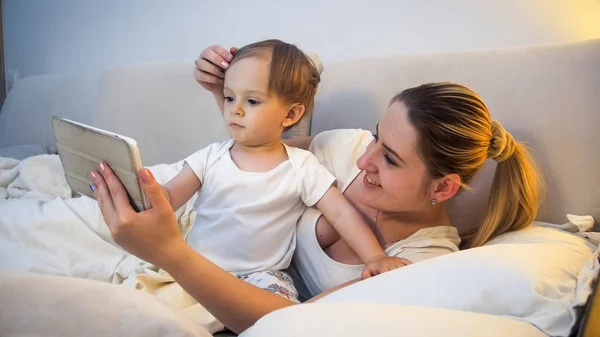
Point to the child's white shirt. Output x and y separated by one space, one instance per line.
246 221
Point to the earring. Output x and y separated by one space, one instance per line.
433 202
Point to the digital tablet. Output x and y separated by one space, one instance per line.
81 148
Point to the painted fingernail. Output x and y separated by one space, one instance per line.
92 187
229 57
93 174
102 167
224 64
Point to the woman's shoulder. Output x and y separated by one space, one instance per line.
427 243
333 139
338 150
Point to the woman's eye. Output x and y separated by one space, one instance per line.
228 99
253 102
389 160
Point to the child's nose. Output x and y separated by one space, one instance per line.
238 110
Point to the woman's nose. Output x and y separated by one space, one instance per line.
367 162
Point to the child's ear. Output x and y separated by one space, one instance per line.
294 114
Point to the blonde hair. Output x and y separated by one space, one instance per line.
456 136
293 76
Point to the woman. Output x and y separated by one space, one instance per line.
429 144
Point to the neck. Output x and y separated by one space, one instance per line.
392 227
274 145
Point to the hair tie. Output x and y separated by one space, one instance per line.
316 61
502 145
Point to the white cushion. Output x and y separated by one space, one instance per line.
359 320
29 106
44 305
541 282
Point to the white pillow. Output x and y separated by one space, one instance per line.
45 305
540 283
359 320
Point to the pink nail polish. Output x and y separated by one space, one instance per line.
102 167
224 64
93 174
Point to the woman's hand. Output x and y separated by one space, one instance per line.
210 68
382 264
152 235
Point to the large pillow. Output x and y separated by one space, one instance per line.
378 320
44 305
540 282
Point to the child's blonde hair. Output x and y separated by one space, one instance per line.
293 76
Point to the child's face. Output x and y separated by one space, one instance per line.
251 116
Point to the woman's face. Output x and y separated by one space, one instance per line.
395 175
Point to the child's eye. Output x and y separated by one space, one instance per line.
228 99
376 136
253 102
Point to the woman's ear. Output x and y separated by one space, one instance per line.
445 188
294 114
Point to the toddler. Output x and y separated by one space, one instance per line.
253 188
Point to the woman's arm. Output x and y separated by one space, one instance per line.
235 303
153 235
325 293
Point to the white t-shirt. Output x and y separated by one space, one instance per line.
313 270
246 221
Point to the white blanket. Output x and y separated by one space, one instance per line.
39 177
44 230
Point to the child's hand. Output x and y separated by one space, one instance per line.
210 68
382 264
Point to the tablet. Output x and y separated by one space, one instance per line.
81 148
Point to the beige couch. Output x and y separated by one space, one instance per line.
548 96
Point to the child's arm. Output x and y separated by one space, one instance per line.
182 187
352 227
